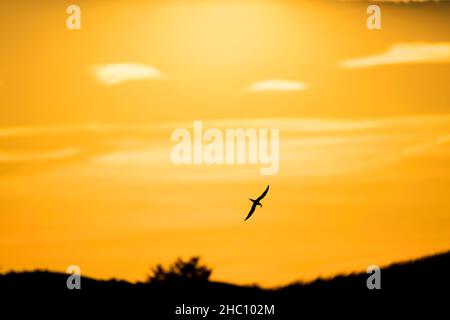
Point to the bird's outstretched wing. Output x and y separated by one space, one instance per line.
263 194
251 211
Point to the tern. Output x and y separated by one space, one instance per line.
256 203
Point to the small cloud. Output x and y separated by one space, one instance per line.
402 53
276 85
116 73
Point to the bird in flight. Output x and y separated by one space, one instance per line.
256 203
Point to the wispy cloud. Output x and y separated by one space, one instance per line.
23 131
309 147
311 125
406 1
402 53
116 73
148 156
330 125
276 85
36 156
396 1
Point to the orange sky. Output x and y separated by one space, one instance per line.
86 118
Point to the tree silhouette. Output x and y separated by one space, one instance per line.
189 271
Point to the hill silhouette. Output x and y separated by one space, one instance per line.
405 287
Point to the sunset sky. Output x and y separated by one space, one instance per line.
86 118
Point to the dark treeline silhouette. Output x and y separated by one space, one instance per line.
405 288
181 272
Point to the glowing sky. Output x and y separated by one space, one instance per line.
86 118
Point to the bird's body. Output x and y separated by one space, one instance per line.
256 203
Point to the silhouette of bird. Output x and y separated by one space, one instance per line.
256 203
